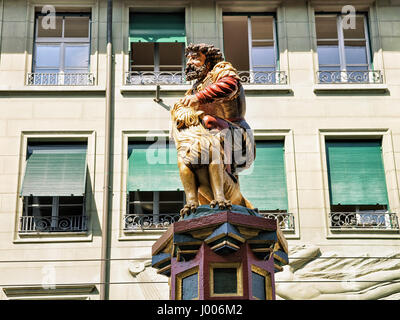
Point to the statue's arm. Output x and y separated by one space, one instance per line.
224 88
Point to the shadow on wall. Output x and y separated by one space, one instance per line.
92 209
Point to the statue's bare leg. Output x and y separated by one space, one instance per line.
189 184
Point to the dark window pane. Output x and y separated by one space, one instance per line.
326 27
225 280
171 196
40 211
190 287
142 56
40 200
262 28
70 210
45 27
341 208
358 32
70 200
258 286
170 56
235 32
141 208
170 207
141 196
76 27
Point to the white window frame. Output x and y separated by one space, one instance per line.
250 41
391 181
88 137
341 44
62 42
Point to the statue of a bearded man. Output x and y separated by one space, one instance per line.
219 93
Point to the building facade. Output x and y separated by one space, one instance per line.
322 90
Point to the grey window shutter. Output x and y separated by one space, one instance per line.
55 170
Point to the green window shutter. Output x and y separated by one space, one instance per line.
157 27
55 170
153 167
265 186
356 173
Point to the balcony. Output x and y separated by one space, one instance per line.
363 221
286 220
60 79
140 222
53 224
350 77
178 77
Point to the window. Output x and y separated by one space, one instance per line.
53 188
157 48
61 55
357 185
344 53
264 184
155 193
261 283
226 280
187 284
258 57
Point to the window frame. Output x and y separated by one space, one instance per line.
239 278
62 41
250 40
343 66
137 79
391 181
179 282
156 208
128 137
55 210
86 137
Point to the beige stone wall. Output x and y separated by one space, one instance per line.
300 113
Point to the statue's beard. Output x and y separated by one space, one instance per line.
192 72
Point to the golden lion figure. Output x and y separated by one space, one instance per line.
201 163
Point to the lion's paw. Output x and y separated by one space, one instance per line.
222 204
188 208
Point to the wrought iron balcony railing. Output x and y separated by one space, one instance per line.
60 79
178 77
364 76
139 222
53 224
152 77
363 220
263 77
149 221
286 220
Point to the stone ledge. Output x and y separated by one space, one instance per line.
350 87
4 90
185 87
51 237
153 88
283 88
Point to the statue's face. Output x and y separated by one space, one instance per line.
196 67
